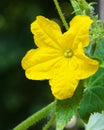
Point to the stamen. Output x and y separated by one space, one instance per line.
68 53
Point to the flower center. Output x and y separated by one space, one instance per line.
68 53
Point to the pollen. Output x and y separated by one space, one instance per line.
68 53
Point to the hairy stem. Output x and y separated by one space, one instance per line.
36 117
49 123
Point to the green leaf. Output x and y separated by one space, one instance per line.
93 98
65 109
99 52
93 101
96 80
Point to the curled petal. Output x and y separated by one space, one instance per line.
86 65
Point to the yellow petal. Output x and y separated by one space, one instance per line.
63 84
78 31
85 65
46 32
39 63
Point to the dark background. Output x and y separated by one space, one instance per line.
20 97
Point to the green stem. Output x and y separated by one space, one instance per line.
46 127
61 14
36 117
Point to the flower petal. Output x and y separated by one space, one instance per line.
46 32
78 31
85 65
39 63
64 83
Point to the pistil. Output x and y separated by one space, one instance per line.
68 53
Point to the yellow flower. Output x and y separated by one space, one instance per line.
59 56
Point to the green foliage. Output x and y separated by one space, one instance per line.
82 7
99 52
96 80
67 108
76 7
93 101
93 98
85 7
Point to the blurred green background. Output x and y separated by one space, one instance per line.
20 97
